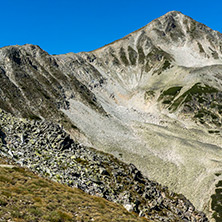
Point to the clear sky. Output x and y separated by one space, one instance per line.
61 26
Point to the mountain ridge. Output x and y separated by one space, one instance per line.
172 14
151 99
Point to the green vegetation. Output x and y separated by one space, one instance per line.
219 184
196 91
27 197
204 112
166 65
200 101
141 55
169 95
173 91
196 102
216 204
132 55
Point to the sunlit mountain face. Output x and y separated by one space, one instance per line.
152 98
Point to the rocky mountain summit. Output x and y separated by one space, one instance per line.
152 98
46 149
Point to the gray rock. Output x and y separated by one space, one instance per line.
61 159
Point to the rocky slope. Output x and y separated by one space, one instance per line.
26 197
151 99
45 148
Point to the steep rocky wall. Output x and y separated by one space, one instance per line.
33 86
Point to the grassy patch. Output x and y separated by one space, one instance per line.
169 95
219 184
31 198
173 91
166 65
197 91
216 205
218 174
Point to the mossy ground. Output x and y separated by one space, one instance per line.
26 197
169 95
216 204
200 101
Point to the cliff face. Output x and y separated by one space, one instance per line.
152 99
33 86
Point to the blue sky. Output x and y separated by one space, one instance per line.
61 26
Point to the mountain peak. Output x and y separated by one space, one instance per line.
156 93
173 13
188 42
